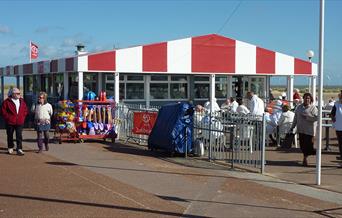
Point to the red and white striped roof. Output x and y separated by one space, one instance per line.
195 55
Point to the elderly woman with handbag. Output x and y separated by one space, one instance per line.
305 119
42 119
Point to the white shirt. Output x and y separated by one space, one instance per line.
234 105
256 106
285 122
43 112
216 107
17 104
338 116
242 109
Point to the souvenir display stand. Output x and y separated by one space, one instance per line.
85 119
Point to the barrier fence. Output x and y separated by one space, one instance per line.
233 138
135 122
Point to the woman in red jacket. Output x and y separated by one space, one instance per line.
14 111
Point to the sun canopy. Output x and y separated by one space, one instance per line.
208 54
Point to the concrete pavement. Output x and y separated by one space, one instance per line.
96 179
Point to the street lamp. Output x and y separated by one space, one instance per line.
310 54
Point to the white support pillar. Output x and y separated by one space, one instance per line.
267 88
313 87
211 90
116 87
99 83
229 86
66 84
80 85
290 83
147 90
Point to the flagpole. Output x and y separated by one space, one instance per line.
320 92
30 50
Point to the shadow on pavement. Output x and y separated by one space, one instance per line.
97 205
62 163
321 212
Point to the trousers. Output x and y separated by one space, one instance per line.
18 135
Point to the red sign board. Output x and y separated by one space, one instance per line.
143 122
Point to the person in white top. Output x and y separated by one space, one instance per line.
285 121
336 116
226 105
230 105
255 104
42 119
242 109
216 107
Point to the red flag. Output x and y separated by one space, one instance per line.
34 51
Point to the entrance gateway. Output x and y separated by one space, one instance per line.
191 69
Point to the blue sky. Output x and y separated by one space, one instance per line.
290 27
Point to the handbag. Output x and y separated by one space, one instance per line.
288 140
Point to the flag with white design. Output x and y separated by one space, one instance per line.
33 51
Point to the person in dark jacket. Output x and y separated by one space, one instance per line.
14 111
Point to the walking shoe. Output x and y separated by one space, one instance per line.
10 151
40 151
20 152
305 162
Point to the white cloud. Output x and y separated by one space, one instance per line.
4 29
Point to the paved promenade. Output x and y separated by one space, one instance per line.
96 179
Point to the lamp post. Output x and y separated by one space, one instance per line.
310 54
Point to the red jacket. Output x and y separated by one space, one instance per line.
9 113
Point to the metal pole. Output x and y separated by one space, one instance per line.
320 93
186 142
263 143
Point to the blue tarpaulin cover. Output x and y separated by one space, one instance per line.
169 130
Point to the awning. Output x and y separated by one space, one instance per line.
208 54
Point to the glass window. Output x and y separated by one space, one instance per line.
46 84
89 82
159 78
159 91
28 84
179 90
179 78
222 79
109 88
201 90
73 86
135 91
201 78
121 77
109 77
122 91
220 90
59 87
135 78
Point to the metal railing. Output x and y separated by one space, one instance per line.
124 120
234 138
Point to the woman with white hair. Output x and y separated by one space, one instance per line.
14 111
